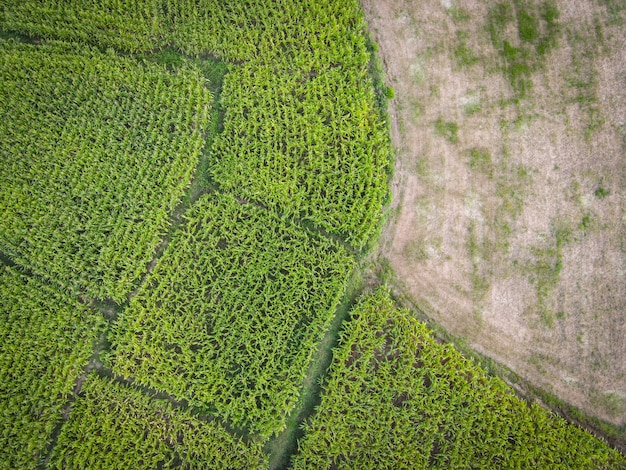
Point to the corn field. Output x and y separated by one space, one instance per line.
395 398
174 251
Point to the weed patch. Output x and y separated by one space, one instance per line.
522 54
449 130
480 160
463 54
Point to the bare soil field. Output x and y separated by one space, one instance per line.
507 224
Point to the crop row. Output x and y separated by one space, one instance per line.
297 34
320 32
45 340
113 426
395 398
230 315
97 150
302 132
128 25
308 146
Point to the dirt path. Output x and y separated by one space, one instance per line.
509 215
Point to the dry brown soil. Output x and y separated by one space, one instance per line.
510 231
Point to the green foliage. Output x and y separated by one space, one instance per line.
383 93
97 150
549 13
213 70
129 25
518 69
527 26
305 145
102 147
449 130
294 33
302 109
230 315
395 398
601 192
45 340
299 35
112 426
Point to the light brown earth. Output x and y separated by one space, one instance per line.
521 249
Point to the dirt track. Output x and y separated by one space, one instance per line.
508 223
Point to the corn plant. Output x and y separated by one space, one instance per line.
46 338
230 315
97 150
395 398
114 426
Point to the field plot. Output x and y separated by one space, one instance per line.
302 134
296 35
46 338
128 25
509 188
230 315
394 398
107 419
96 152
320 33
309 146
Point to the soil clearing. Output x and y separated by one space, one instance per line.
507 224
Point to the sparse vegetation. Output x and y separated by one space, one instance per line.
513 221
582 80
537 33
480 160
472 103
449 130
463 54
480 253
601 192
458 14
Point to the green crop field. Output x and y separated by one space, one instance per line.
107 419
46 338
229 316
188 192
305 145
394 398
97 150
301 134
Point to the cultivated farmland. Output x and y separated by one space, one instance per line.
394 398
105 422
46 338
96 152
189 191
230 315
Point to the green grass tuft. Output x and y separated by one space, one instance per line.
448 130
